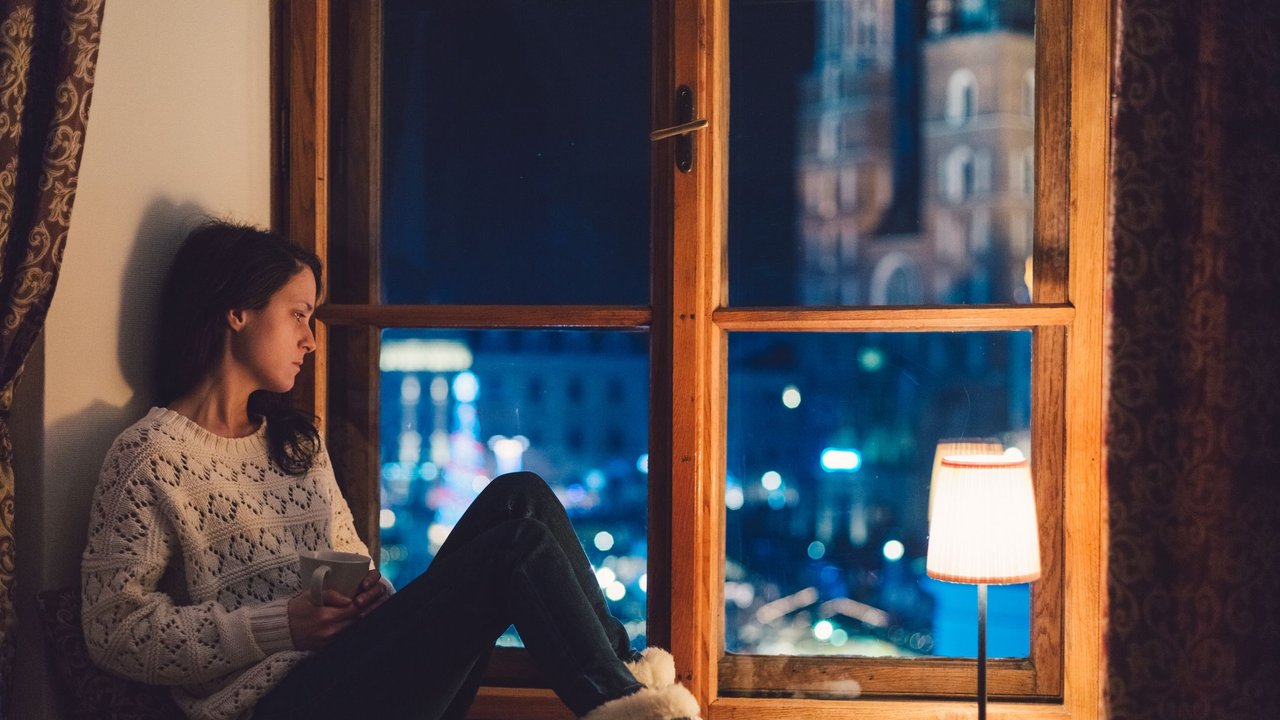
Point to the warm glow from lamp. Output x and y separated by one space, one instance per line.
983 528
959 446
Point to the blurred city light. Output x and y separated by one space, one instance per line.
733 497
871 359
466 387
841 459
893 550
616 591
508 453
437 356
791 397
605 577
595 479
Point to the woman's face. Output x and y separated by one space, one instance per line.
271 343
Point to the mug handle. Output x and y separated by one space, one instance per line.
317 585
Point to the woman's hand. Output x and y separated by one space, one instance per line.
371 593
314 627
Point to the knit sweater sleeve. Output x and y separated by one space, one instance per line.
342 527
136 631
345 537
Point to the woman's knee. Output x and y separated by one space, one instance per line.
522 484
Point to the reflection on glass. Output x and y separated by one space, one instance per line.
881 152
460 408
831 440
515 136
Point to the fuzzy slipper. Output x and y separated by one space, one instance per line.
673 702
655 668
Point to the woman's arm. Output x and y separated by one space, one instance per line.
131 628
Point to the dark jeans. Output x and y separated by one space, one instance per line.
513 558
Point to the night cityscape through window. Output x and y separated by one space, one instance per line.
880 154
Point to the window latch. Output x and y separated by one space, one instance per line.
683 130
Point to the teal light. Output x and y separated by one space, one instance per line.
841 460
871 359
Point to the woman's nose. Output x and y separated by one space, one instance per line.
309 342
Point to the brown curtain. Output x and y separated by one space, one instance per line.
48 50
1194 418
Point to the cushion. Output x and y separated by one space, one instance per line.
91 693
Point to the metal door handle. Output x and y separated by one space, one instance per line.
681 129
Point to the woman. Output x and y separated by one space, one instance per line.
190 574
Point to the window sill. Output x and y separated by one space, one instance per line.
534 704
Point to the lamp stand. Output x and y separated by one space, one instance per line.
982 651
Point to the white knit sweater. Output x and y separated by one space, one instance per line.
192 558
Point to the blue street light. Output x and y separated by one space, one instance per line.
841 460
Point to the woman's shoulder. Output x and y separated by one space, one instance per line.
151 437
148 432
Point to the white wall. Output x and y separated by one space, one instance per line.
179 125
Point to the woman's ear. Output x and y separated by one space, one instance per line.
236 319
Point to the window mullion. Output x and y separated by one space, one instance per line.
694 33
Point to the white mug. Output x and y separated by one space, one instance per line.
331 570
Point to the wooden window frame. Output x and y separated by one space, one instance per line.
322 105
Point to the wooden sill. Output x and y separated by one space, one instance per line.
534 704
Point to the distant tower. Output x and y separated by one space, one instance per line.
845 167
979 117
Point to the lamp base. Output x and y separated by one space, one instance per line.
982 651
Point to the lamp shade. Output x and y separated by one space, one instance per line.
984 528
959 446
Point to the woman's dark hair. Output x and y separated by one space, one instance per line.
222 266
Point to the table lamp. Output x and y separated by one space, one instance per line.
984 532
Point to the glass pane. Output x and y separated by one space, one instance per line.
881 152
831 441
515 138
460 408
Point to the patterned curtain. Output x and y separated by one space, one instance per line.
48 50
1193 437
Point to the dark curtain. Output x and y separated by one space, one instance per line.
48 50
1193 435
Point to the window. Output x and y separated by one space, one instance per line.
962 96
702 334
896 281
982 171
828 136
959 174
867 27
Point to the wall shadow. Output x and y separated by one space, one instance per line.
76 445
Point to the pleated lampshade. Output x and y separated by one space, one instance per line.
983 528
959 446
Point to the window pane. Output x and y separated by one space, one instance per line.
515 139
831 441
460 408
880 152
